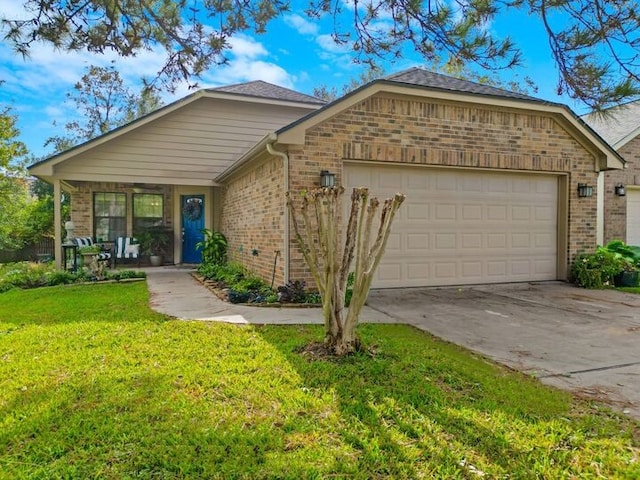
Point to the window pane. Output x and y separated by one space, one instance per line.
147 205
110 215
148 211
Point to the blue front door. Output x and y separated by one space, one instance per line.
192 225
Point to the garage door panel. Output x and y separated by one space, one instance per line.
464 227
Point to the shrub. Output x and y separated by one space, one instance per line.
596 270
125 274
292 292
60 277
214 248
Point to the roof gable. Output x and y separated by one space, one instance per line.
293 105
418 82
189 141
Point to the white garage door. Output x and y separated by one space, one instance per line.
458 227
633 217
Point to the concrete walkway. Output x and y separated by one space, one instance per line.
176 293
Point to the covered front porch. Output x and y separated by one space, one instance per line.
106 211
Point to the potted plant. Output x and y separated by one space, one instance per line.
629 276
154 242
87 253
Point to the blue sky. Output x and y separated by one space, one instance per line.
295 52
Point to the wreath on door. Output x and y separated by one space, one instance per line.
193 209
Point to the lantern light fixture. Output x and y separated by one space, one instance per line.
585 190
327 179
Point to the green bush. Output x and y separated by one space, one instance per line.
125 274
596 270
31 275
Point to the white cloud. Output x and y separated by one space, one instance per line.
302 25
329 45
245 46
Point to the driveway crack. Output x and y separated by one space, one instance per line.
588 370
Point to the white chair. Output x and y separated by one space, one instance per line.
127 248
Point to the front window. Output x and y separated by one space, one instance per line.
148 211
109 216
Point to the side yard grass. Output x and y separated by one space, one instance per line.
96 385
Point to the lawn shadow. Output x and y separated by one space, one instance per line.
417 406
144 426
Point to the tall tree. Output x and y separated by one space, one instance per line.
594 43
14 193
11 149
103 102
331 93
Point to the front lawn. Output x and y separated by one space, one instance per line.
95 385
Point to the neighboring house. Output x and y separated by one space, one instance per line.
620 127
491 176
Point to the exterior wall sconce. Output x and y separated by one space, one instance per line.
585 190
327 179
620 190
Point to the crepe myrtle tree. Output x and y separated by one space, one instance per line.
317 230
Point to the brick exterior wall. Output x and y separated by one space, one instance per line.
82 206
387 128
253 217
615 207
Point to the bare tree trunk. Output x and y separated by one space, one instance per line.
330 264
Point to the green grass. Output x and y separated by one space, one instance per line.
95 385
635 290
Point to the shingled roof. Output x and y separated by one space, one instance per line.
425 78
262 89
616 125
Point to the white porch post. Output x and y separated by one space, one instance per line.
57 220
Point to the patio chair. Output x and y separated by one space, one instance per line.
127 248
103 256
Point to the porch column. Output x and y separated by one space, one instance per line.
57 220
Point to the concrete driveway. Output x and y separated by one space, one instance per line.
583 340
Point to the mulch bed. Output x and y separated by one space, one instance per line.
221 293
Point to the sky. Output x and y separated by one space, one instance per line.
295 52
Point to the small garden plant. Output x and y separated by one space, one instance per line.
32 275
605 267
242 286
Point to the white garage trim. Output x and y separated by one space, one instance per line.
633 215
467 226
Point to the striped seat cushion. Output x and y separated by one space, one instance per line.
126 247
87 242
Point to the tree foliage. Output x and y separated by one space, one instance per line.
103 102
194 34
594 43
14 193
11 149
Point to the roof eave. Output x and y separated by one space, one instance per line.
258 148
264 100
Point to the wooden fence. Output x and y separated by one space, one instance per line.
36 252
